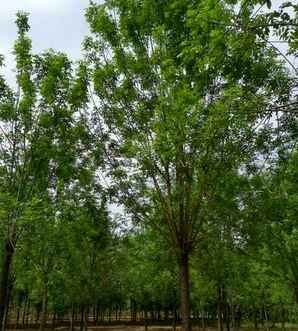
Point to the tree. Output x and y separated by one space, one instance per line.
40 124
179 90
275 205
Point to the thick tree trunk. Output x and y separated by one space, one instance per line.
4 281
184 292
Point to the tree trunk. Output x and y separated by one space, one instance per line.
4 323
184 292
82 319
18 315
97 314
24 311
256 319
219 308
174 319
86 319
203 320
4 281
71 327
227 316
146 320
43 319
282 317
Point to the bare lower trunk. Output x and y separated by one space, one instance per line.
4 282
184 293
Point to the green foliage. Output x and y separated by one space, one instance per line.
183 116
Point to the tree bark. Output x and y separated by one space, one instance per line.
184 292
4 281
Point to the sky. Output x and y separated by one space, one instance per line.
57 24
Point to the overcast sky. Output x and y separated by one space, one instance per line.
57 24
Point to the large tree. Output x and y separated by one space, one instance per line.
180 89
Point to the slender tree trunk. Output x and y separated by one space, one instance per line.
28 312
43 319
5 317
146 320
4 281
219 308
94 313
109 315
203 320
54 319
266 317
18 315
227 316
184 292
174 319
86 319
282 317
71 318
296 291
256 319
97 314
24 311
82 319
